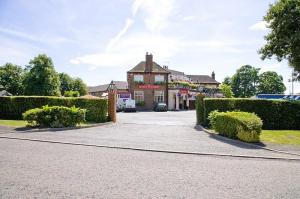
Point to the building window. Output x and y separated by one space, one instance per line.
138 78
159 96
139 96
159 78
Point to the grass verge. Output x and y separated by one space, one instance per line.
13 123
22 123
291 137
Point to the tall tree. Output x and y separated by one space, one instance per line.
80 86
283 41
244 81
11 78
66 83
227 81
270 83
42 78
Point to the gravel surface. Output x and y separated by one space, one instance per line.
44 170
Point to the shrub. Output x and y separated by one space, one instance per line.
55 116
13 107
71 94
212 117
276 114
238 125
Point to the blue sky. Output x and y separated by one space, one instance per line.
99 40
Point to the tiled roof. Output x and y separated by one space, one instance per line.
202 79
121 85
140 68
175 72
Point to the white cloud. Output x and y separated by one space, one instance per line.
35 38
114 40
135 6
189 18
127 48
260 26
157 13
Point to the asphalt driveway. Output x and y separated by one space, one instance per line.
135 158
169 131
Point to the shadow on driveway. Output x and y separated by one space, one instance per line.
236 143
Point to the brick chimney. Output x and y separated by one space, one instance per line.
149 62
213 75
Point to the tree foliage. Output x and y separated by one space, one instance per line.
80 86
11 78
226 90
244 81
283 41
270 83
227 81
66 83
42 78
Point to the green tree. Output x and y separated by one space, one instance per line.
42 78
244 81
227 80
283 41
270 83
80 86
226 90
66 83
11 78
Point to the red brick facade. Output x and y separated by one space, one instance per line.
148 84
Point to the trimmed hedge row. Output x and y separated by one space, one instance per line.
13 107
276 114
237 125
199 105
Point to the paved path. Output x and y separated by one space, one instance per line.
171 131
52 170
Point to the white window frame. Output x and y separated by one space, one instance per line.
159 78
138 78
159 96
139 96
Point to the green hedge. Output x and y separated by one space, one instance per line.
276 114
237 125
13 107
200 108
55 116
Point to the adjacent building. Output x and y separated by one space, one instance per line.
102 90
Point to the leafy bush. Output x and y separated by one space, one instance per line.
13 107
71 94
238 125
276 114
212 117
140 103
55 116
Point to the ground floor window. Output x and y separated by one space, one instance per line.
159 96
139 96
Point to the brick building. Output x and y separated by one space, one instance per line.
102 90
148 83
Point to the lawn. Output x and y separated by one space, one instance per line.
13 123
281 136
22 123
